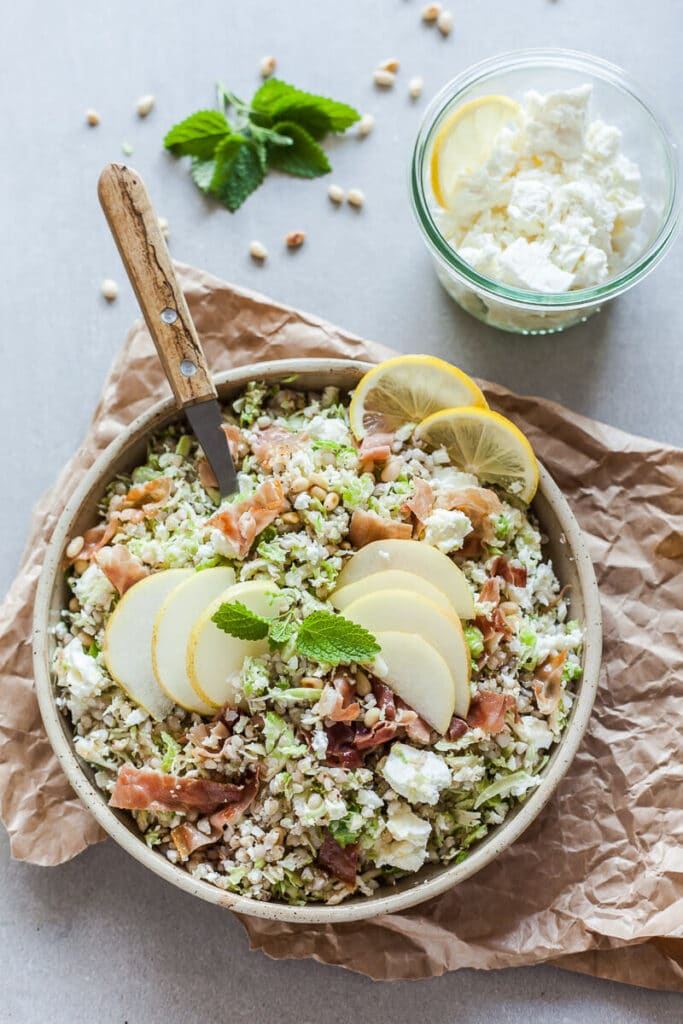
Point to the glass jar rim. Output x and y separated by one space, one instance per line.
523 298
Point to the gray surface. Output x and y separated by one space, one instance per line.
100 939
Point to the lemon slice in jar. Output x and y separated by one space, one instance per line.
466 140
487 444
406 390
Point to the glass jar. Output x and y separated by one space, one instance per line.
645 140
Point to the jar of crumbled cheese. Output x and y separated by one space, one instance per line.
544 185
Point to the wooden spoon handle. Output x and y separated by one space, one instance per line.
145 256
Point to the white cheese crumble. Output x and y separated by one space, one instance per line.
446 530
417 775
81 677
555 206
408 851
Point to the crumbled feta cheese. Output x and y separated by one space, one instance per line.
408 851
417 775
446 529
534 731
93 589
80 675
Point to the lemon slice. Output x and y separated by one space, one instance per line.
406 390
465 142
487 444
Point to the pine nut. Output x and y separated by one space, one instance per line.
444 23
85 638
311 682
295 239
110 289
390 65
385 79
415 86
302 483
74 605
363 685
267 66
391 471
431 12
291 518
74 547
355 197
317 492
258 251
80 565
319 480
92 117
336 193
331 501
372 717
144 105
365 125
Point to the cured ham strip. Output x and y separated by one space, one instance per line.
490 592
187 838
339 861
94 539
143 789
368 526
420 504
384 696
513 574
274 444
143 501
416 728
336 701
547 685
487 711
366 739
478 504
232 812
457 728
375 448
120 567
242 521
341 752
207 477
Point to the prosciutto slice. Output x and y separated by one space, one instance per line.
339 861
207 477
341 749
274 444
94 539
368 526
513 574
120 567
420 504
242 521
366 739
457 728
479 504
490 592
547 685
143 501
385 699
375 448
232 812
336 701
487 711
143 789
187 838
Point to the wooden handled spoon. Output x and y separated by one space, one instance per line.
143 250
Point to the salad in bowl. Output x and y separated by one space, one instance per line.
355 668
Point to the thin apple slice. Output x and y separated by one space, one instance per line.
214 657
406 612
171 633
418 674
128 640
390 579
412 556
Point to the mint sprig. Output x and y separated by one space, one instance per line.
280 129
324 637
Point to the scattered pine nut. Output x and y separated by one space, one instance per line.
385 79
267 66
258 251
444 23
163 227
355 197
80 565
126 148
415 87
92 117
390 65
295 239
431 12
372 717
365 125
291 518
336 193
74 547
74 605
363 685
144 105
331 501
110 289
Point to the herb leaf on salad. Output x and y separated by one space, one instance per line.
235 618
280 129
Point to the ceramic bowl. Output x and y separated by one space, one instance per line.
566 546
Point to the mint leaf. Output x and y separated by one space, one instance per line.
238 173
235 618
318 115
304 157
224 159
332 639
198 135
202 172
281 631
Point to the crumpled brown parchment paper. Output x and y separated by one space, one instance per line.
596 883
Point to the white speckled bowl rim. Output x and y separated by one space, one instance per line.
566 546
